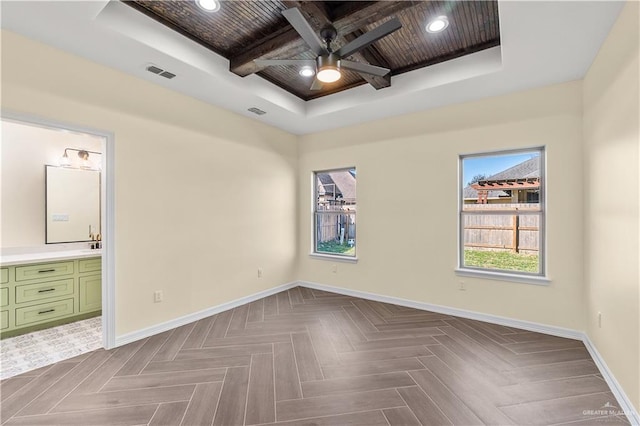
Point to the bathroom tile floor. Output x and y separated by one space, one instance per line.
45 347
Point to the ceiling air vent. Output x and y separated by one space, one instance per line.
154 69
257 111
159 71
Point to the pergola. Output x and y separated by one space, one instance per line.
484 186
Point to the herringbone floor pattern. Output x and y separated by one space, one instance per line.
311 357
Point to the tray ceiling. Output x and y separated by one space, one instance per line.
242 31
541 43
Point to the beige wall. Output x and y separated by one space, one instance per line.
24 151
408 200
203 196
611 173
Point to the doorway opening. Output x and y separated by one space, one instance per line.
56 249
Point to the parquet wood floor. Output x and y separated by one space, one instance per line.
315 358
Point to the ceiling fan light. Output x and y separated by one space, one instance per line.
328 67
329 74
306 71
208 5
438 24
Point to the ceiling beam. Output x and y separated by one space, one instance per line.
286 43
283 44
370 14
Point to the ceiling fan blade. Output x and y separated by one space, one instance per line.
369 37
300 24
364 68
317 84
275 62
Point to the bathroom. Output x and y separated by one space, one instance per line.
50 244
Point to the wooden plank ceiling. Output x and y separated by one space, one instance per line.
242 31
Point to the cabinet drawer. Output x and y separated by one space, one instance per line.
39 291
90 265
43 270
4 320
4 275
43 312
4 296
90 293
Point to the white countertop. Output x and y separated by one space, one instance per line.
18 259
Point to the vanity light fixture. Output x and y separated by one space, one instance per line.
208 5
438 24
83 154
64 161
84 159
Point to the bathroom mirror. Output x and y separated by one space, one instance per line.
72 204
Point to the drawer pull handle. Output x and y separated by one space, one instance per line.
46 270
46 312
46 290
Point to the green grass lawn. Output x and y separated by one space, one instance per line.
501 260
336 247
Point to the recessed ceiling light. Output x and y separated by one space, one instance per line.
208 5
306 71
438 24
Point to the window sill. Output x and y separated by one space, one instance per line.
347 259
503 276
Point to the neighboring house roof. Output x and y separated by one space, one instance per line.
526 169
344 181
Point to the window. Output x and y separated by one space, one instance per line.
502 212
335 212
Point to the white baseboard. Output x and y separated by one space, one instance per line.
178 322
625 403
494 319
623 400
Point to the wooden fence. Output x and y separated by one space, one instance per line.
518 233
330 225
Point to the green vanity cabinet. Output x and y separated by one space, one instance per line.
90 293
4 320
90 265
43 271
41 295
90 285
4 298
44 312
42 291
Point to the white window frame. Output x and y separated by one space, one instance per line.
539 278
314 212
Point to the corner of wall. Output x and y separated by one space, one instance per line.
611 153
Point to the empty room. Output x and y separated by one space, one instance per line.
320 212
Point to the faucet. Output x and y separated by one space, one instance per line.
96 240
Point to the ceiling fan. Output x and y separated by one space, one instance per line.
329 62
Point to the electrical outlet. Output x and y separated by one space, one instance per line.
462 286
259 272
334 268
157 296
599 319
